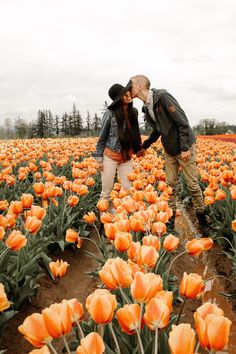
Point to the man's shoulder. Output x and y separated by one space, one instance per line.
158 93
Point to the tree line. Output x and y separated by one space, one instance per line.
72 124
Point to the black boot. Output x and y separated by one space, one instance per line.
204 226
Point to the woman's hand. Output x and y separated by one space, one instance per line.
100 166
141 153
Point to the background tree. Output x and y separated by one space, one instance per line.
21 128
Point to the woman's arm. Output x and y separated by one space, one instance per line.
105 128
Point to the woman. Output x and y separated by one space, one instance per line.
119 138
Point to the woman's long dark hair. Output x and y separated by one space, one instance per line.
129 134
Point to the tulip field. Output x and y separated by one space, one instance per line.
145 270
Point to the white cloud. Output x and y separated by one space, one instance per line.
56 52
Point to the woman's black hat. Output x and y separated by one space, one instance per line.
117 91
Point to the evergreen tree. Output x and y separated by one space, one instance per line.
88 123
57 125
96 123
20 128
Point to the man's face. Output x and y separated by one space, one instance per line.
135 89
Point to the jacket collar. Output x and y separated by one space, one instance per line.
157 95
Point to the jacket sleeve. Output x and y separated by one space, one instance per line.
155 134
105 128
137 141
179 116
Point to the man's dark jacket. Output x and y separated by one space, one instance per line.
170 123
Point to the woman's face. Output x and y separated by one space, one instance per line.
126 98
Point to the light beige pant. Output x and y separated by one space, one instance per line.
108 175
189 170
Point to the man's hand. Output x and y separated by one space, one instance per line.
100 166
141 153
185 155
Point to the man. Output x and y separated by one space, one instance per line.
169 121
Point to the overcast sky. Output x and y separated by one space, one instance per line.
56 52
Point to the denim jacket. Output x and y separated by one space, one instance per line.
109 134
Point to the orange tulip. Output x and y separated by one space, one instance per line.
16 240
3 204
122 241
151 197
147 257
207 243
35 331
32 224
116 273
76 309
138 184
111 230
233 192
91 344
27 200
136 225
157 314
38 188
128 318
209 200
2 232
145 286
151 240
133 251
138 196
213 331
37 211
103 205
57 319
101 306
4 303
73 200
58 268
158 228
124 225
191 285
162 205
233 225
71 235
182 339
15 207
106 218
90 181
195 247
220 195
162 216
166 296
10 220
90 218
170 243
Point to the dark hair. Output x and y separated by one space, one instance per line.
129 134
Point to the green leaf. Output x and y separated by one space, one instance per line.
149 347
5 317
108 350
163 343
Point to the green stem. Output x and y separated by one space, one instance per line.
197 347
219 276
156 341
99 236
124 296
174 259
52 348
66 345
159 261
4 252
140 342
114 337
89 239
217 238
80 329
140 317
181 310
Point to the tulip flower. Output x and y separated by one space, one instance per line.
103 205
157 314
32 224
92 344
133 251
4 303
57 319
101 305
182 339
128 318
3 204
158 228
194 247
15 207
233 225
151 240
123 241
147 257
2 232
43 350
71 236
73 200
27 200
207 243
170 243
38 188
36 211
58 268
35 331
90 218
16 240
106 218
166 296
191 285
220 195
145 286
76 309
116 273
137 225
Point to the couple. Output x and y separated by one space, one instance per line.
120 138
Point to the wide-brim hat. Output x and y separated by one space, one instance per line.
117 91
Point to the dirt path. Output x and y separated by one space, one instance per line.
76 283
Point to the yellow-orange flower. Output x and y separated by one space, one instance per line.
73 200
220 195
101 305
191 285
38 188
16 240
194 247
182 339
76 309
151 240
58 268
4 303
207 243
233 225
57 319
15 207
170 243
157 314
3 204
103 205
91 344
145 286
2 232
166 296
116 273
71 235
128 318
158 228
36 211
32 224
27 200
111 230
147 257
90 218
43 350
35 331
133 251
106 218
122 241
